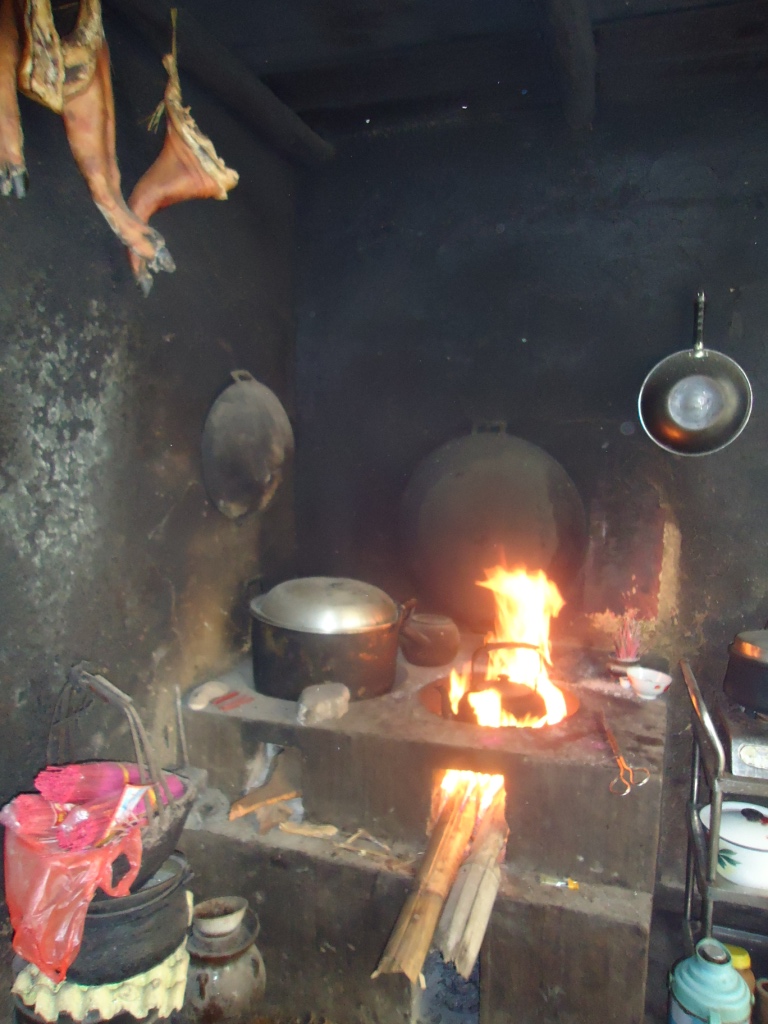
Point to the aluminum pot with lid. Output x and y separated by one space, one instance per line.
322 629
746 677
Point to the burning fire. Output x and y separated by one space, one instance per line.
487 785
525 604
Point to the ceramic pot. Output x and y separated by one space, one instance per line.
429 640
226 979
742 855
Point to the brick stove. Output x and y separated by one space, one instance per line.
550 954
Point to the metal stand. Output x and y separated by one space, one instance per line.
708 771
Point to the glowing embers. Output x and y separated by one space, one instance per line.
516 689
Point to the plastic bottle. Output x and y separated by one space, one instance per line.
742 962
707 987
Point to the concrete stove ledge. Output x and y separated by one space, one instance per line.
550 955
375 769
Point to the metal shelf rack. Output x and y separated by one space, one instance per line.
708 765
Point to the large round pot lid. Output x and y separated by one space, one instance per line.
752 644
325 604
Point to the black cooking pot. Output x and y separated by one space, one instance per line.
746 677
128 935
322 629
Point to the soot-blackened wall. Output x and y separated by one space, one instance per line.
110 550
506 270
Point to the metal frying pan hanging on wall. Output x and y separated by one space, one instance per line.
247 439
697 401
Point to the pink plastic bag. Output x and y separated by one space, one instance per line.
48 891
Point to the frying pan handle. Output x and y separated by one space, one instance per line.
700 303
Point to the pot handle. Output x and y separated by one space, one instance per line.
501 645
241 376
404 612
698 347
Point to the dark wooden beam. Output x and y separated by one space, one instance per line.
227 78
576 58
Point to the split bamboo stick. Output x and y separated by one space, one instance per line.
468 908
409 943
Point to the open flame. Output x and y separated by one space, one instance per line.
486 785
525 604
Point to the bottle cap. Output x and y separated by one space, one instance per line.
740 958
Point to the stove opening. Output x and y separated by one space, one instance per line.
513 689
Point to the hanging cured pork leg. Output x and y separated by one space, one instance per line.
41 69
89 119
80 49
187 168
13 173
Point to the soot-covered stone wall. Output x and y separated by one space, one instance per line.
110 550
505 270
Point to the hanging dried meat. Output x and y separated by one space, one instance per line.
81 47
188 167
13 171
41 69
89 120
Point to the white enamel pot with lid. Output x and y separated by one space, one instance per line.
697 401
322 629
742 856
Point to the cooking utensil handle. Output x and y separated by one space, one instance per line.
701 300
407 608
241 376
500 645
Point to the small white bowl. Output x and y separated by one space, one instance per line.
742 855
647 683
219 916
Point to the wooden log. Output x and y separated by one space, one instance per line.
226 77
468 908
576 57
409 943
253 801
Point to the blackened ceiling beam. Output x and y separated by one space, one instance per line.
227 78
576 59
496 70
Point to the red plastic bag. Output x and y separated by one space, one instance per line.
48 891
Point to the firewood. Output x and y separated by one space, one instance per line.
306 828
468 908
409 943
252 801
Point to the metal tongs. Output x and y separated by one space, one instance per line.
629 776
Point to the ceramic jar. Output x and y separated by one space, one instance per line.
226 978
